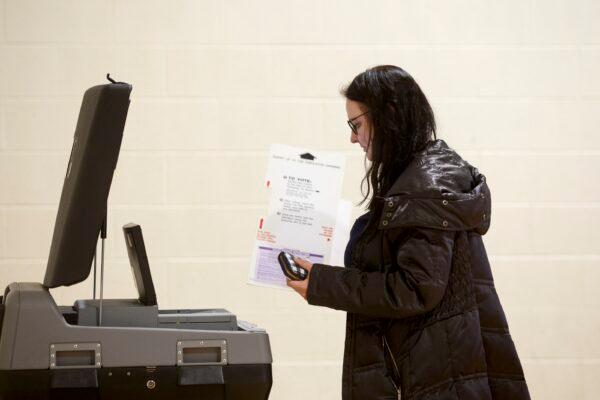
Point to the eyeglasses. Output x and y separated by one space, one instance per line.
351 124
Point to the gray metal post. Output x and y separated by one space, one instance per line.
101 282
95 252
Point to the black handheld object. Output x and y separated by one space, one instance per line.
138 259
290 269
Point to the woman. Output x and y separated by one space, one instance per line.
423 317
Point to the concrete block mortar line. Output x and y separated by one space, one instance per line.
205 259
331 46
220 20
492 99
326 363
3 22
3 236
112 29
37 207
580 75
111 237
528 34
3 140
165 176
549 204
36 152
581 78
24 261
543 257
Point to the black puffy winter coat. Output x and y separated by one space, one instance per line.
424 320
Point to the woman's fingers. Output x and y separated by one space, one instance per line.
299 287
301 262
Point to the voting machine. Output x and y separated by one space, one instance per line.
116 348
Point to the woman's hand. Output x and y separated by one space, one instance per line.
301 286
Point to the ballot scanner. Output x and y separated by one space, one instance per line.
116 348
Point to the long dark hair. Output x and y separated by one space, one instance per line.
402 122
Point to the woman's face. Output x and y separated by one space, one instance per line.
363 133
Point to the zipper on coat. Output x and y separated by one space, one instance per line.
385 253
396 386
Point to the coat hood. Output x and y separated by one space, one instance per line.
438 190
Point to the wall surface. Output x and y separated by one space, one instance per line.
515 88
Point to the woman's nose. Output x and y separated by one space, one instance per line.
353 138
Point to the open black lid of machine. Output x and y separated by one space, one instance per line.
82 207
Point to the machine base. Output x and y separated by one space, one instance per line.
230 382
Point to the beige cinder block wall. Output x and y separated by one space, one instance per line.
514 84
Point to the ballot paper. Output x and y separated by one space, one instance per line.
306 216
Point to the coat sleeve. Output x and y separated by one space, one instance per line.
415 285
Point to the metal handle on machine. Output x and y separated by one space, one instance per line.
75 355
202 352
